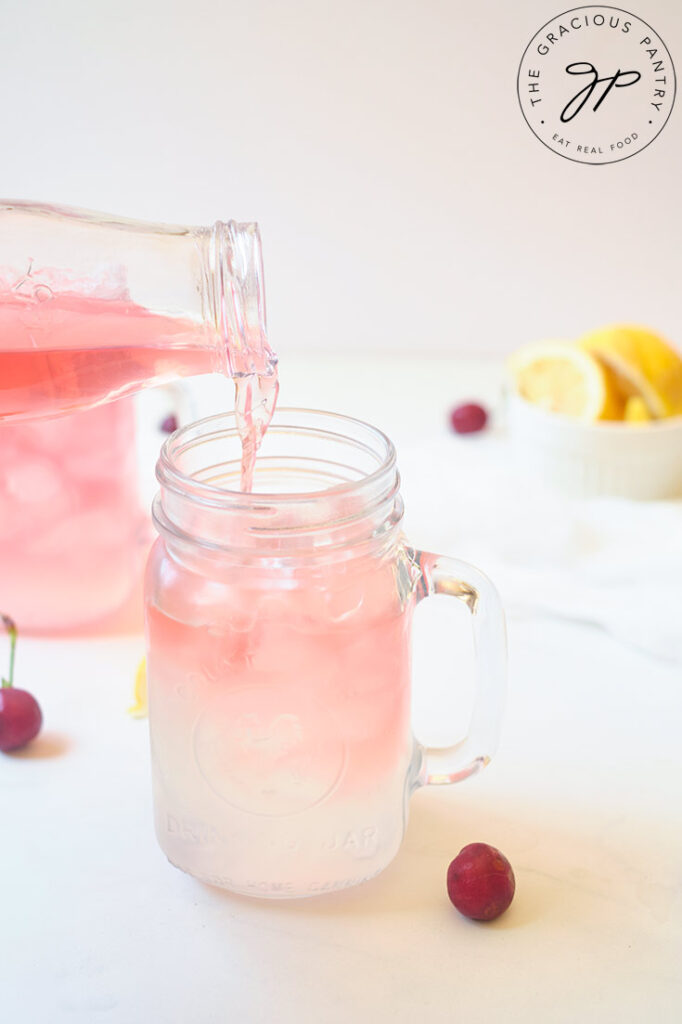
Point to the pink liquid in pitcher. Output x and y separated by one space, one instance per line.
280 707
71 351
73 536
75 350
70 521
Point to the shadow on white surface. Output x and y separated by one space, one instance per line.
413 885
47 744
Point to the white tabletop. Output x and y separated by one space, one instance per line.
582 797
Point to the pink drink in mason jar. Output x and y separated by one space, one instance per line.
278 656
293 703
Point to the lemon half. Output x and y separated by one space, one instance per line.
562 378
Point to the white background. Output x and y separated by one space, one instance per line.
405 204
582 796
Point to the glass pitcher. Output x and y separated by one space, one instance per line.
73 531
94 307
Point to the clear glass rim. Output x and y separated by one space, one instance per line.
169 476
333 520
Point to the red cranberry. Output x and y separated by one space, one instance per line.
20 718
170 424
481 882
468 418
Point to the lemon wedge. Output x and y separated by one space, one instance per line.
139 708
563 378
636 410
644 366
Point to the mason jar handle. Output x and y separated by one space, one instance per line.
441 575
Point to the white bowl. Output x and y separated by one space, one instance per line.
628 460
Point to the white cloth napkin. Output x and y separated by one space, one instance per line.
608 561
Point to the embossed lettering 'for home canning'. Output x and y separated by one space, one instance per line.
278 631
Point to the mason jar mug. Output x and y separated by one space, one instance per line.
278 657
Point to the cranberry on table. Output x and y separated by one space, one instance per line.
20 714
481 882
170 424
468 418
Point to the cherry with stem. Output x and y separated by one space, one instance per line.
20 715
